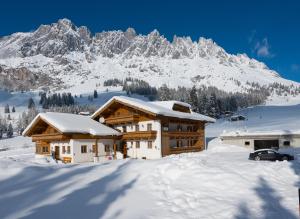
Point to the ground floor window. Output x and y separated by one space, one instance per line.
137 144
69 149
107 148
286 143
83 149
45 149
150 144
247 143
63 149
179 143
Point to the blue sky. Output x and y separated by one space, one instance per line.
266 30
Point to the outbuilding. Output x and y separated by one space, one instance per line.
72 138
263 139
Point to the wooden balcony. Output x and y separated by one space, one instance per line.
49 137
139 135
180 134
185 149
122 119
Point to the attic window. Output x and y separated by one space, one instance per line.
286 143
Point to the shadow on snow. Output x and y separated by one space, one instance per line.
31 187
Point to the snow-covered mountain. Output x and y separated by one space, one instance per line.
76 60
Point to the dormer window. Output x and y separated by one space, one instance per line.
181 108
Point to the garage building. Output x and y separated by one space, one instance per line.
262 139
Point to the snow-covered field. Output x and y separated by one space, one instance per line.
218 183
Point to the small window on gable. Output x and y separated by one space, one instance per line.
149 127
247 143
286 143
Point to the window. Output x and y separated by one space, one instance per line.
63 149
189 128
94 148
247 143
107 148
150 144
179 128
137 128
179 143
149 127
124 128
45 149
83 149
137 144
69 150
286 143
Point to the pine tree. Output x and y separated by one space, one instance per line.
6 109
10 131
13 109
1 133
193 99
8 117
95 94
31 103
164 93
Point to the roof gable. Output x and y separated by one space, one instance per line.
152 108
71 123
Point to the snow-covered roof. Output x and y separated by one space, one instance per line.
72 123
169 104
158 108
260 133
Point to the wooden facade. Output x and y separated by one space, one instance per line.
119 113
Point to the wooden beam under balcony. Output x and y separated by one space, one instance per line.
122 119
139 135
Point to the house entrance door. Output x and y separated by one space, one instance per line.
56 155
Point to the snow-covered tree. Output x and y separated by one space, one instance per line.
31 103
10 131
95 94
6 109
13 110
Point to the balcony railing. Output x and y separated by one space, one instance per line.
175 150
180 134
122 119
139 135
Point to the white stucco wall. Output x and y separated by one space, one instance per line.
144 151
77 156
294 141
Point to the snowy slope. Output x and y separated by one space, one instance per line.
81 61
260 118
218 183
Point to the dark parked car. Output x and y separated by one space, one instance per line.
269 154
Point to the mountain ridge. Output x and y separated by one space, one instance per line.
82 60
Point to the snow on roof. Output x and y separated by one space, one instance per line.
72 123
156 108
259 133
